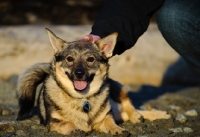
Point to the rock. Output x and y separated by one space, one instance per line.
181 118
146 107
37 121
34 127
176 130
5 128
173 107
179 129
187 130
6 112
26 122
191 113
143 107
20 133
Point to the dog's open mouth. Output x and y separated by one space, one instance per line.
80 85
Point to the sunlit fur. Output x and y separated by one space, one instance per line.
60 105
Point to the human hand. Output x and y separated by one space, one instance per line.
92 38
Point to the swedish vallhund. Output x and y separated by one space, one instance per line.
76 91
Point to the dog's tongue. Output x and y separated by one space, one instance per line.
80 85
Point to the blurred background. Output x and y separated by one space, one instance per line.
24 42
71 12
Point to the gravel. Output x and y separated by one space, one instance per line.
183 105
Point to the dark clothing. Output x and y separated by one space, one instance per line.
179 23
130 18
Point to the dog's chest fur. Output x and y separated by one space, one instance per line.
64 107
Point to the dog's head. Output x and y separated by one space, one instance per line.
81 67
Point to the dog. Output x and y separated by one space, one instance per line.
77 92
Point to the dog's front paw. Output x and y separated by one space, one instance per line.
116 130
136 117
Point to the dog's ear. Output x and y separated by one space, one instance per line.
107 44
56 42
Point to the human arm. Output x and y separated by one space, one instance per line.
130 18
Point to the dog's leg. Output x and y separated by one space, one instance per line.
120 95
62 127
125 111
108 125
155 114
56 122
130 111
128 108
112 126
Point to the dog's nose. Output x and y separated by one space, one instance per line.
79 73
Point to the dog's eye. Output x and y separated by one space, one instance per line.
90 59
70 59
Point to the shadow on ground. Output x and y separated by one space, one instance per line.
178 76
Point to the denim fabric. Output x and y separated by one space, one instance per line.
179 23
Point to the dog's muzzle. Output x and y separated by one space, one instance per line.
81 79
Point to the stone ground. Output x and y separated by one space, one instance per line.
182 103
156 76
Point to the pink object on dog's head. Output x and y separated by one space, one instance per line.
91 38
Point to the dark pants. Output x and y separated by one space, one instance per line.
179 23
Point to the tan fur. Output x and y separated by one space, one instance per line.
61 104
154 114
125 110
63 127
71 113
127 106
132 113
108 125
